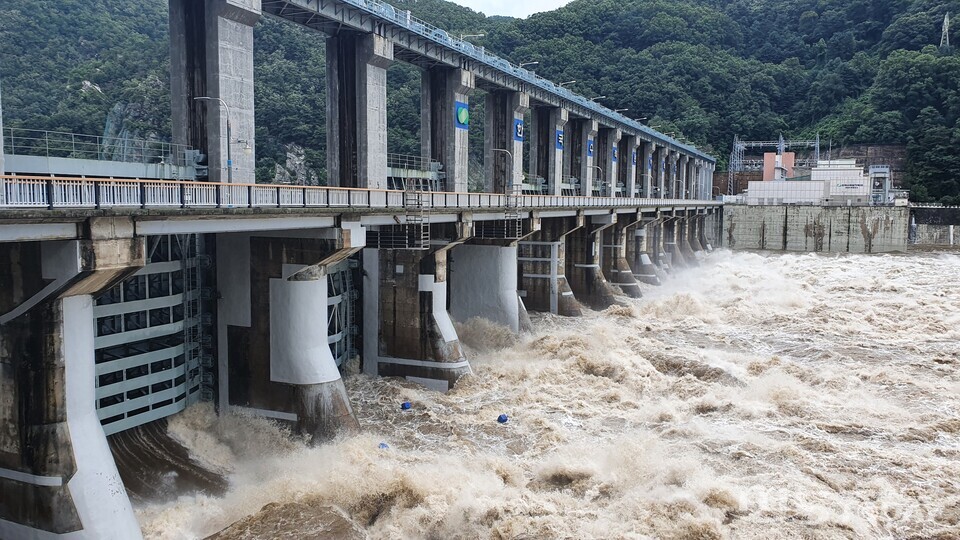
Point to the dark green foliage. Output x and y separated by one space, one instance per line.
854 70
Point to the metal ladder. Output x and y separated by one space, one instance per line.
513 225
417 222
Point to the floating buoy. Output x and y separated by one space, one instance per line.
384 446
503 418
406 405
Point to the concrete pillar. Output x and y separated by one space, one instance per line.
639 240
407 331
357 110
671 258
483 283
608 147
274 351
629 150
661 164
686 179
547 142
646 169
445 122
2 169
588 157
614 264
57 474
542 267
211 55
583 263
685 231
695 229
504 130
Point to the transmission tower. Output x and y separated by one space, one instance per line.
945 37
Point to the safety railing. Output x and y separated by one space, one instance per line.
404 19
34 192
32 142
415 163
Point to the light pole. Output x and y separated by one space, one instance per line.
507 187
620 110
604 182
596 98
227 107
561 85
465 36
529 64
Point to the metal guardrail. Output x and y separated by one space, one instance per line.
41 192
33 142
404 19
415 163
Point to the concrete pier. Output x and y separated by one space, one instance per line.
445 122
57 476
614 259
547 144
357 110
406 327
211 55
608 149
639 241
583 262
503 137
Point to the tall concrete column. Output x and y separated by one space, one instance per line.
583 262
547 142
630 152
357 110
647 168
407 331
445 122
684 180
542 267
504 130
2 169
608 146
695 230
685 231
58 478
588 157
613 261
661 164
211 55
483 284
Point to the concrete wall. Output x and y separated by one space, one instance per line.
859 229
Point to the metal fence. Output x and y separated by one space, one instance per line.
41 192
33 142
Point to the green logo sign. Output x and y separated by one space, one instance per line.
462 115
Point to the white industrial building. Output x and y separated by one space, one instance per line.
839 182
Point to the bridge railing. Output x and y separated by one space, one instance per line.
35 192
58 144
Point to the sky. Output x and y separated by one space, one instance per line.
512 8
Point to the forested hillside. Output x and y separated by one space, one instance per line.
854 70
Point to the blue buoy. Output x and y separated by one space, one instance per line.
406 405
503 419
384 446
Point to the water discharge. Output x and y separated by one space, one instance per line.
788 396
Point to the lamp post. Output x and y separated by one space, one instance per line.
465 36
507 187
596 98
529 64
561 85
227 107
604 182
620 110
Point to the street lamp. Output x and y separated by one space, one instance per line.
529 64
507 188
229 160
601 176
641 119
620 110
465 36
561 85
596 98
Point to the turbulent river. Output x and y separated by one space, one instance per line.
757 396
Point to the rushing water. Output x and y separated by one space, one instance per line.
785 396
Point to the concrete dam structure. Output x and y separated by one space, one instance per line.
125 300
833 229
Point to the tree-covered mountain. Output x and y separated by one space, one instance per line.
856 71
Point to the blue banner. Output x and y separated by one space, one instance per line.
559 139
590 148
634 157
518 130
614 154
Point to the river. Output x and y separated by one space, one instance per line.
757 396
